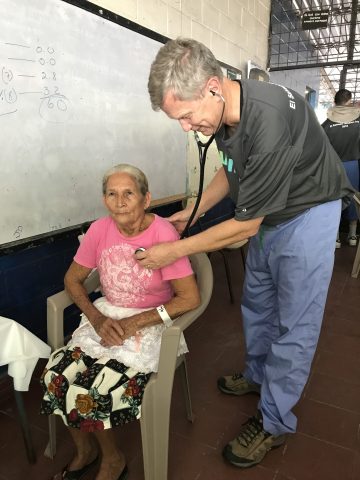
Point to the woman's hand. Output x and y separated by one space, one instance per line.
110 331
127 325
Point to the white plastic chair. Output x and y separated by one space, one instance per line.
356 265
155 407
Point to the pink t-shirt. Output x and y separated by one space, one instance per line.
123 281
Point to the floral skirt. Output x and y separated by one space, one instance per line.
91 394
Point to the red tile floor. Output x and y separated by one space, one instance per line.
326 447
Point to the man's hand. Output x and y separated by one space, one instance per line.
179 219
157 256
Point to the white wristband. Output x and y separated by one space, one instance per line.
165 317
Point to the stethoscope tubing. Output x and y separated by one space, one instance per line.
203 148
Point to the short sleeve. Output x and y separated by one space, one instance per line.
86 253
180 268
264 186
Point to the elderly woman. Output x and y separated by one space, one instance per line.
97 381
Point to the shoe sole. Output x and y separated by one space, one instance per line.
227 454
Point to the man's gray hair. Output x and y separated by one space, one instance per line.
182 66
134 172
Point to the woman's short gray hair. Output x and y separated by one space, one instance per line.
134 172
182 66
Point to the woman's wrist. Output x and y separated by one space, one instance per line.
96 317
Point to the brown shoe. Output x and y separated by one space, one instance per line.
252 444
237 385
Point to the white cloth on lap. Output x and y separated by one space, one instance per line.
140 352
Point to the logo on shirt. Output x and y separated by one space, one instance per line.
290 96
227 162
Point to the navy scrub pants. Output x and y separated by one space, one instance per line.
288 271
352 168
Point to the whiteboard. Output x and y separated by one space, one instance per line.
73 103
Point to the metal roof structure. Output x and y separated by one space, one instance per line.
318 33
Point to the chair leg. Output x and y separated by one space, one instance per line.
186 390
228 275
50 450
30 453
356 264
154 421
243 257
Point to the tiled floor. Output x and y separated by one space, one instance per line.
326 447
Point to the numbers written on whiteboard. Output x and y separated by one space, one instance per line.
18 231
54 106
48 76
55 227
20 83
8 94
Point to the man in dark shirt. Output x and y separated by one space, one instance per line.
343 129
287 183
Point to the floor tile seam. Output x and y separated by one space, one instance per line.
199 442
340 301
331 377
327 442
333 406
278 471
339 330
347 355
329 331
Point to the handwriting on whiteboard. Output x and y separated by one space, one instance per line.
31 71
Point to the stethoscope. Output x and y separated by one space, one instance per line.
202 148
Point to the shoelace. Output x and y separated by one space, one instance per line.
236 376
250 430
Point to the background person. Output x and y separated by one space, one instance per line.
97 381
287 183
343 130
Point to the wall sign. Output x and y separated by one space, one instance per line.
315 19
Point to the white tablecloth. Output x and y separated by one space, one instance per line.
21 350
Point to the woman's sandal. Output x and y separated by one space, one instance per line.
78 474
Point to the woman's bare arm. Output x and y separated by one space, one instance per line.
186 297
108 329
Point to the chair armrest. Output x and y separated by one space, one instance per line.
171 336
56 305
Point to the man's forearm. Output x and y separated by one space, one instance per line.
217 237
